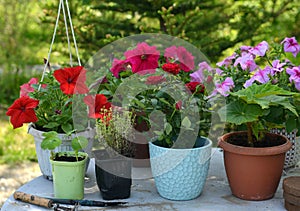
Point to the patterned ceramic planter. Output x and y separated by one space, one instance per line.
180 174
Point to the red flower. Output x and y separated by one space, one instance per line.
171 68
98 106
118 66
72 80
27 88
22 111
193 86
155 79
178 105
180 54
143 57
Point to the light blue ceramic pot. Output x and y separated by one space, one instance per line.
180 174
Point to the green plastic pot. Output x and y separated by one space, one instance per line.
68 177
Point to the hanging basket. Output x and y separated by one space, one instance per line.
292 157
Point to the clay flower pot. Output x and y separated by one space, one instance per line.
254 172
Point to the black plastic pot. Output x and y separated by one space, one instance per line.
113 176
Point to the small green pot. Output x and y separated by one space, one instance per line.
68 177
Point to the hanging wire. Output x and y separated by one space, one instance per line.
73 34
53 38
67 33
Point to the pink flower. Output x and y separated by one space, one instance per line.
198 76
118 66
223 88
180 54
291 45
143 57
260 49
294 76
277 66
246 61
27 88
227 61
261 76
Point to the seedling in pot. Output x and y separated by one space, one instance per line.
51 141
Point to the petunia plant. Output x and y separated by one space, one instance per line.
261 86
48 103
162 88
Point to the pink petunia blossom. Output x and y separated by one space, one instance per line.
118 66
277 67
260 49
27 88
291 45
245 48
181 55
198 76
262 76
223 88
227 61
143 58
294 76
246 61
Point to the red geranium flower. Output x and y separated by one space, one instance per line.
171 68
98 106
22 111
118 66
155 79
178 105
180 54
193 86
72 80
143 57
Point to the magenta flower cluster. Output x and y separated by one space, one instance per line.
275 65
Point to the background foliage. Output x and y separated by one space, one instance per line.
216 27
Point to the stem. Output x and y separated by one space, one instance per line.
249 134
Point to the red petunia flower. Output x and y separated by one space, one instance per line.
178 105
155 79
171 68
143 57
193 86
118 66
72 80
98 106
22 111
180 54
27 88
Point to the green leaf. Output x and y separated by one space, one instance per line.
67 127
186 122
50 141
79 143
51 125
168 128
239 112
291 124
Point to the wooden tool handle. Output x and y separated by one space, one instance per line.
32 199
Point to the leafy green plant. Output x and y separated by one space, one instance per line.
254 105
51 141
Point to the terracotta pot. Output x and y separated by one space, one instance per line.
253 173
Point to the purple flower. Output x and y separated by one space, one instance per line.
294 76
219 71
223 88
245 48
277 67
246 61
262 76
198 76
291 45
227 61
260 49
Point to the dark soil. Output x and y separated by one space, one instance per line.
67 158
269 140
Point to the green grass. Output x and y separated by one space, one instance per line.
16 146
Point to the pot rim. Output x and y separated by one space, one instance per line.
208 144
257 151
84 154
